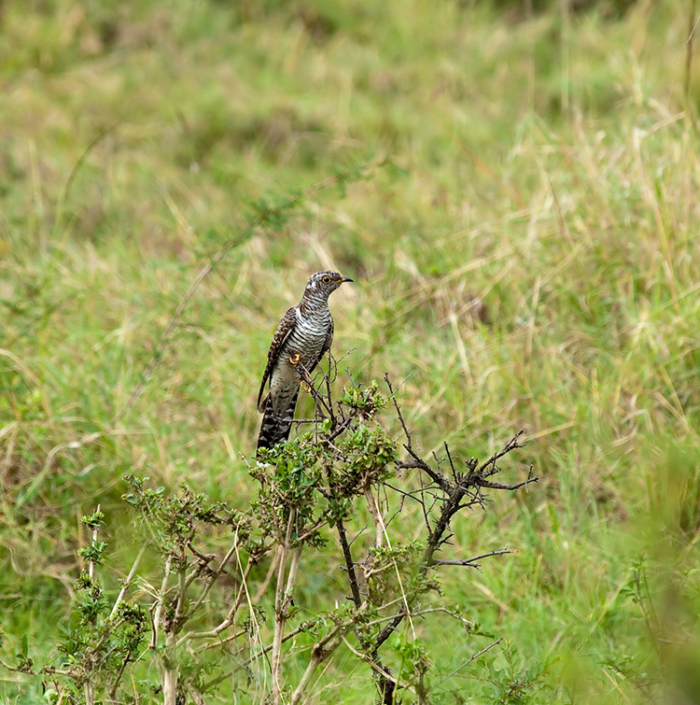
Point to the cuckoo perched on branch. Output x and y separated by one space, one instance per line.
302 338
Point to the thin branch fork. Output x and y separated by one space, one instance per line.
512 444
417 463
468 661
205 558
455 492
228 620
216 573
472 562
380 671
318 396
118 677
499 486
26 668
320 652
306 626
227 640
161 601
388 631
392 396
309 532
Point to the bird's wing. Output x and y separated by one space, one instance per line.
326 347
284 330
328 341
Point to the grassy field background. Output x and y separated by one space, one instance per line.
526 252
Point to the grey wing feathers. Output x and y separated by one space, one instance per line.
328 341
284 330
326 347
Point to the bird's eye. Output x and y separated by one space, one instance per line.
326 280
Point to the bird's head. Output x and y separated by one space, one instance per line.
324 283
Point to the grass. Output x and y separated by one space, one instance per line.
546 170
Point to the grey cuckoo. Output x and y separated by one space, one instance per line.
302 338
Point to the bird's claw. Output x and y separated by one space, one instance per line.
306 382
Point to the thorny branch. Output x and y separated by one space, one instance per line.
463 485
349 565
463 489
472 562
446 486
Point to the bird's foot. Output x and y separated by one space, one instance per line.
306 382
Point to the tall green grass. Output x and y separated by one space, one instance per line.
530 259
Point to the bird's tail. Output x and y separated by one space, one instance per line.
275 427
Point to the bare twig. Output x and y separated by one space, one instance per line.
500 486
118 677
318 396
417 463
227 640
452 503
268 578
301 628
311 531
228 619
216 574
507 448
349 565
321 650
472 562
382 672
392 396
126 583
388 631
468 661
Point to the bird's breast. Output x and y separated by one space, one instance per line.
308 338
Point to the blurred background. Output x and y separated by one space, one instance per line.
522 229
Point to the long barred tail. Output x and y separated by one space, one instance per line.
275 428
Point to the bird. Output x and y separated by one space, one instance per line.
303 337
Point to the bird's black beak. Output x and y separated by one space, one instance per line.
343 279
